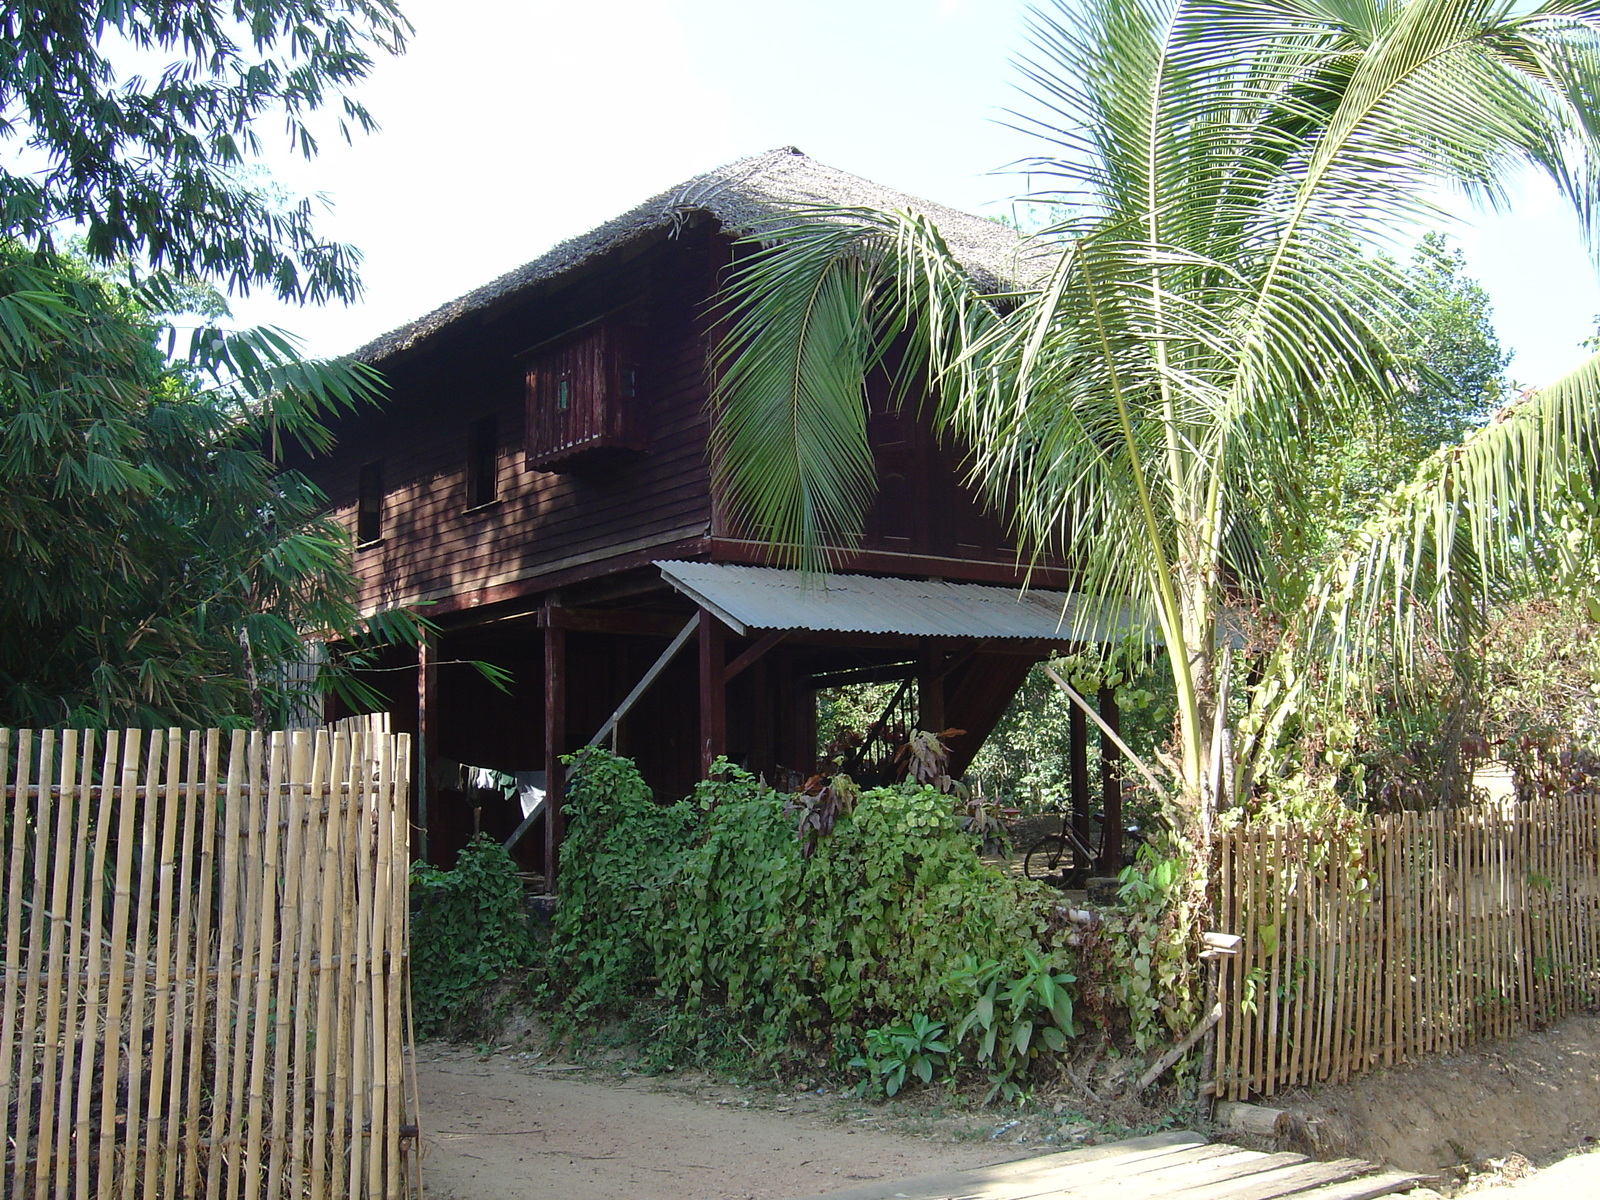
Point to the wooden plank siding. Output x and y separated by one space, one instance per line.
433 544
436 547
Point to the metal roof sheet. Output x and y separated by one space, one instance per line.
748 598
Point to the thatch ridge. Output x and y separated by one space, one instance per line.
741 196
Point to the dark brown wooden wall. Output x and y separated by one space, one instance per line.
434 547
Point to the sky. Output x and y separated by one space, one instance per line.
510 125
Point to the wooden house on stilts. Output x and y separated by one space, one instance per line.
538 480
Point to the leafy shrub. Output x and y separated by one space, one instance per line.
619 853
868 930
468 929
1012 1017
741 909
1154 976
916 1047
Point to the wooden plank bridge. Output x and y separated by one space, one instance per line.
1164 1166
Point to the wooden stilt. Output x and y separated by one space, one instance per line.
930 691
713 692
427 695
555 745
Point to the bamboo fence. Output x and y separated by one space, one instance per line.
204 965
1403 935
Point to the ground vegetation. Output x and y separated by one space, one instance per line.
877 941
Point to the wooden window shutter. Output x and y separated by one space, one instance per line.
586 400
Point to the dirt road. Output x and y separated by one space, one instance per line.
506 1128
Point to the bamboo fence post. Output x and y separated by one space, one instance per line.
187 1018
160 1065
45 1180
17 860
222 1114
1345 1010
72 982
290 753
1300 970
94 971
141 951
360 1080
313 799
378 1121
43 848
266 931
401 1000
1242 1033
1227 985
345 1152
327 979
393 849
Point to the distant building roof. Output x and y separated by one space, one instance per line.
768 598
742 196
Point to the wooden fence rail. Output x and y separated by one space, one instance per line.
1403 935
204 965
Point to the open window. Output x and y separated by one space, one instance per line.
585 399
483 463
369 504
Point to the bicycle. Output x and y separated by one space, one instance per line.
1065 859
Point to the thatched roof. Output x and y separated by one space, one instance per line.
741 196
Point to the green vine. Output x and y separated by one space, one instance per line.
468 929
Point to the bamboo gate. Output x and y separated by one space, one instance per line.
204 965
1403 935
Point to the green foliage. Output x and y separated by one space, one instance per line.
1153 973
916 1047
152 164
867 929
1451 369
158 568
468 929
621 855
1012 1016
714 902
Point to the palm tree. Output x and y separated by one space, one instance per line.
1143 398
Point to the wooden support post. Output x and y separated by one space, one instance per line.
1111 784
713 693
555 744
427 695
1078 770
930 691
761 757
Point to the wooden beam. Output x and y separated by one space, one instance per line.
639 688
713 693
555 744
930 691
613 621
1003 571
427 692
1106 729
888 673
749 656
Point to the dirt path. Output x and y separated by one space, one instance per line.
519 1125
510 1127
1537 1096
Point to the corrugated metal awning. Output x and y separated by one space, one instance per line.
747 598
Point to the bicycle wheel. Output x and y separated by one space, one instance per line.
1051 859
